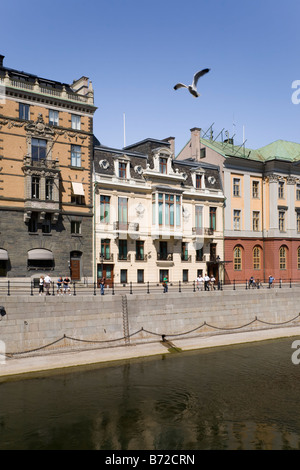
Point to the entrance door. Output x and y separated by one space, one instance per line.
75 269
108 274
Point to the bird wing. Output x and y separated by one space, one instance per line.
179 85
198 75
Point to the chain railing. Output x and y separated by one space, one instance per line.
12 287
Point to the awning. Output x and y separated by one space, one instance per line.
40 253
77 189
3 255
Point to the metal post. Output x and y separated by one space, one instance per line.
148 290
31 288
8 287
194 290
94 288
290 282
246 285
280 283
179 286
113 288
234 284
74 288
130 290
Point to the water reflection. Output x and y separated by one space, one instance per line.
241 397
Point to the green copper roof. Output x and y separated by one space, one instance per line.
279 150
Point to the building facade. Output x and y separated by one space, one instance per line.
155 216
262 209
46 152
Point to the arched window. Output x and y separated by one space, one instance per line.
282 257
237 258
256 257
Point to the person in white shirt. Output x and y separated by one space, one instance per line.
206 282
200 283
47 282
212 283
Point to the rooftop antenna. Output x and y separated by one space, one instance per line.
207 130
220 133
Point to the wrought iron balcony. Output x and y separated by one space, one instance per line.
126 226
186 258
141 257
165 256
203 231
106 256
124 257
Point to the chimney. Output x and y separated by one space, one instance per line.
195 143
171 141
1 60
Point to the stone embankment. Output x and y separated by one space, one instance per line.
35 326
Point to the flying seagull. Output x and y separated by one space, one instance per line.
193 87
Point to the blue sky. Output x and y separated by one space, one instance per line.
135 51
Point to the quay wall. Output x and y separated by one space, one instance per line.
78 322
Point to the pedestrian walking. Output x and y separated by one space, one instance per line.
165 284
47 284
102 285
41 285
206 282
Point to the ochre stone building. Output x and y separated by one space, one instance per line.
46 152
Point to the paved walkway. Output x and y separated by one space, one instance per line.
61 360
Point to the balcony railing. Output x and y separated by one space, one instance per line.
186 258
42 163
124 257
106 256
126 226
203 231
165 256
141 257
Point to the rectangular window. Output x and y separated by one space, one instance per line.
169 209
298 222
199 254
163 250
53 117
24 111
139 253
160 208
163 165
75 227
104 209
49 189
123 249
123 276
153 208
33 223
281 221
280 189
255 221
198 216
236 186
198 181
105 249
76 155
122 169
46 225
35 187
122 212
255 189
185 275
178 211
184 251
76 122
38 149
163 273
212 217
140 275
236 220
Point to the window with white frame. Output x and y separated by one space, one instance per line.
75 155
236 219
76 122
53 117
236 186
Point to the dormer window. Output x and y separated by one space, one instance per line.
122 169
198 181
163 165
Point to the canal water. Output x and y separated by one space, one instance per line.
238 397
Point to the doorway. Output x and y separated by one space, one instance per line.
75 265
108 274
